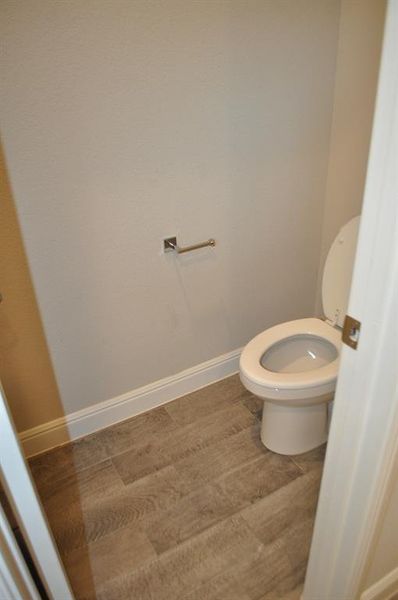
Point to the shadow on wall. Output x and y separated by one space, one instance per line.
29 383
25 366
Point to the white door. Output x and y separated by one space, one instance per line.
17 482
363 441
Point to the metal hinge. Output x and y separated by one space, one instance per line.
351 330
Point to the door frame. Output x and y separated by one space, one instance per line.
15 580
21 493
363 441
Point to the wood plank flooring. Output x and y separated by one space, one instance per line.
182 503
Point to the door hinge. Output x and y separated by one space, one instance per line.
351 330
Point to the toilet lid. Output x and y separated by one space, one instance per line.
337 273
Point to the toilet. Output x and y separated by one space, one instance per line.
293 366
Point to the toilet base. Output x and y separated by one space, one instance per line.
289 430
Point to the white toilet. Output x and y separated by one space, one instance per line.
293 366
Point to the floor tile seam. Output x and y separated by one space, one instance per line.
249 504
99 432
247 463
218 524
151 562
96 434
143 568
186 497
66 552
231 578
262 547
105 503
195 421
124 421
101 498
267 498
194 425
123 584
270 544
298 465
290 525
161 442
129 496
177 463
198 447
212 442
234 514
254 414
263 596
51 481
128 486
156 469
76 442
139 445
88 543
198 421
76 471
100 462
58 447
212 483
158 512
176 497
168 509
281 539
235 511
140 531
139 520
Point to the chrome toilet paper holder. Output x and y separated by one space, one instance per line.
170 245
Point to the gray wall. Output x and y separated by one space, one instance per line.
125 122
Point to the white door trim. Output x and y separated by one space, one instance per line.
106 413
382 589
15 580
363 439
16 480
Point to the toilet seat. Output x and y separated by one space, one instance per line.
282 386
293 366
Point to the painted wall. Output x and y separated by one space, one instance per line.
25 368
125 122
358 58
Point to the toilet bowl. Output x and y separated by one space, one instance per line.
293 366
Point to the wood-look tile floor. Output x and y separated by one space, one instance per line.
182 502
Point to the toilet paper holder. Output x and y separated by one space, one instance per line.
170 245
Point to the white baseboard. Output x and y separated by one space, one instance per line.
81 423
384 589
